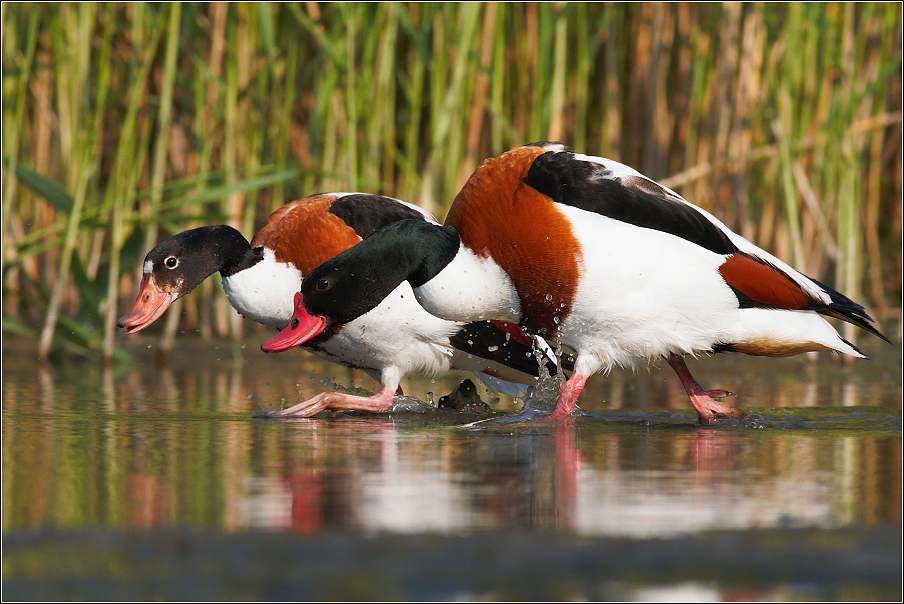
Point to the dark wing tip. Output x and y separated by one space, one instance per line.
845 309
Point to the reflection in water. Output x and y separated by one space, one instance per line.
146 447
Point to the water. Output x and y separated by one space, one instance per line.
156 482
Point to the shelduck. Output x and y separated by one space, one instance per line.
396 337
596 258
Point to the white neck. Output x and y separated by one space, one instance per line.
264 292
470 288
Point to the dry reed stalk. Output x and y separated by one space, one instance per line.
384 150
611 144
530 50
13 125
701 50
639 84
658 115
725 70
556 129
846 269
781 127
747 90
478 105
56 297
499 81
446 109
351 101
158 170
413 93
205 123
871 220
683 82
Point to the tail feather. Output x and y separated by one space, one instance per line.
847 310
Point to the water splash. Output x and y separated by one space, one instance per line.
410 404
541 398
352 389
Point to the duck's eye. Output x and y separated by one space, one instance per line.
294 324
171 262
323 284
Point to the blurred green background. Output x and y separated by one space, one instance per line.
123 123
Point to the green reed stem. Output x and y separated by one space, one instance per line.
56 296
12 128
158 167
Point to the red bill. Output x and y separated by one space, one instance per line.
302 328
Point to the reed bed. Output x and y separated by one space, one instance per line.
123 123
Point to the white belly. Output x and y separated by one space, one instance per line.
398 335
643 294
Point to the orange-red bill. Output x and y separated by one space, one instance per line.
151 303
302 327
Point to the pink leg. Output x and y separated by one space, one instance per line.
339 401
568 398
708 409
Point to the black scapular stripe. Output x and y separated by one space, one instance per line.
367 214
591 187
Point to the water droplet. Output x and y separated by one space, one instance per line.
249 395
149 345
549 297
492 348
555 320
217 347
243 347
542 331
470 342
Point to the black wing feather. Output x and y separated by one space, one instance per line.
638 201
367 214
485 340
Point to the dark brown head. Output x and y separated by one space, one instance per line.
178 265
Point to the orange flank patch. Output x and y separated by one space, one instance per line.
762 283
305 233
513 330
496 214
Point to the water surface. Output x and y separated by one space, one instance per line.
146 450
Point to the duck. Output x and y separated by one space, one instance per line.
394 338
600 261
